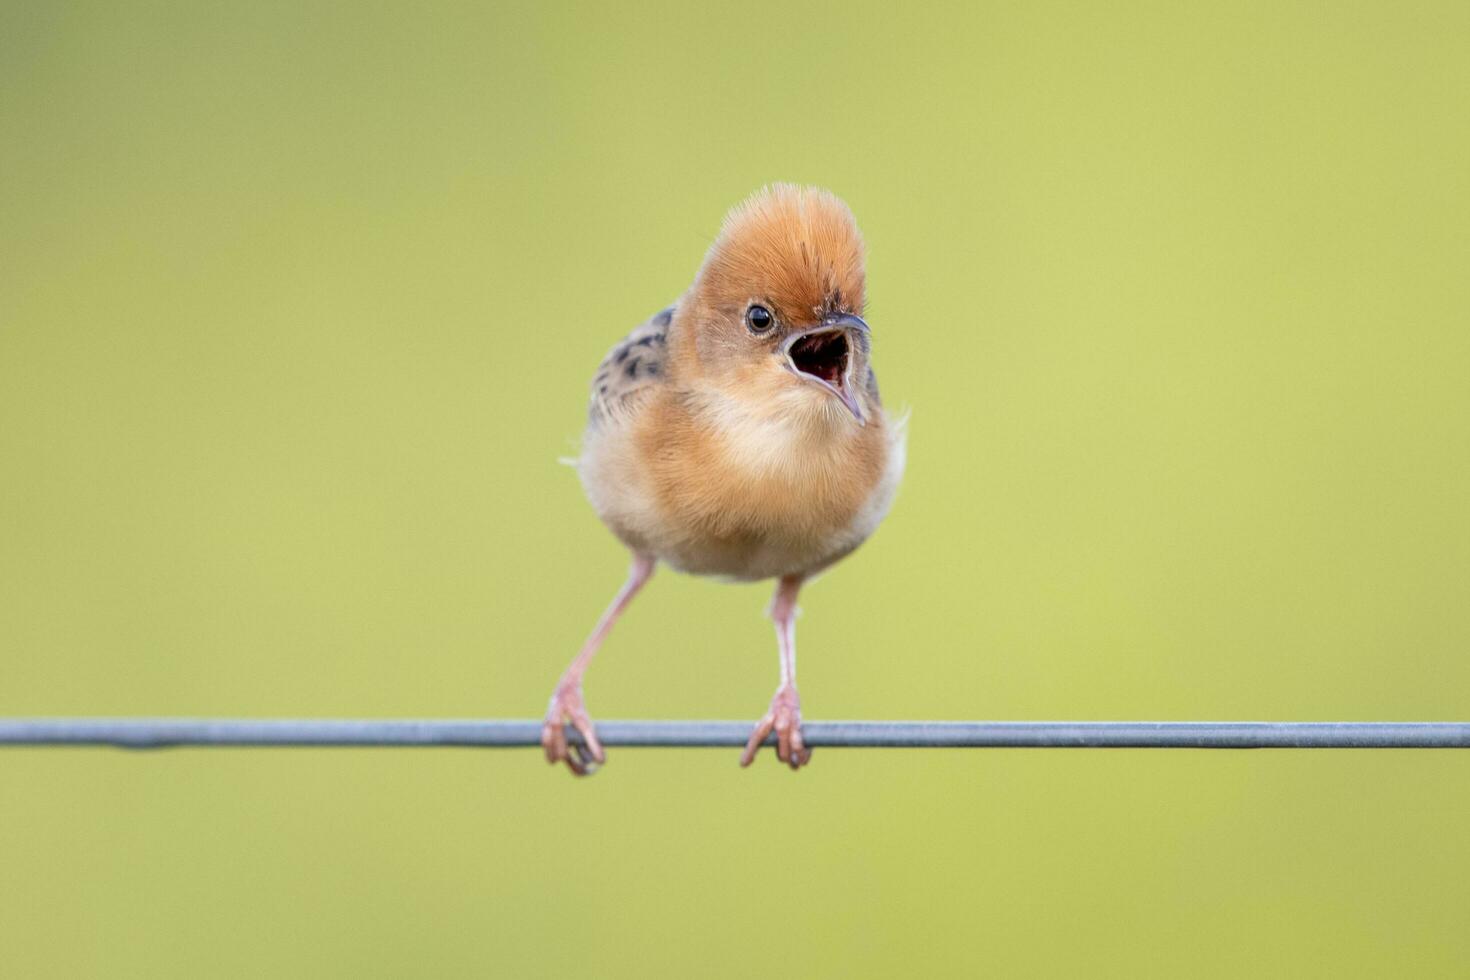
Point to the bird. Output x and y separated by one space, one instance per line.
739 434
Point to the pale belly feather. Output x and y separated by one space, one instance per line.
770 497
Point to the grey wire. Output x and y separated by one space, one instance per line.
150 733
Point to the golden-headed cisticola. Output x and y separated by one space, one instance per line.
739 434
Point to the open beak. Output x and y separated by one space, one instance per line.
827 356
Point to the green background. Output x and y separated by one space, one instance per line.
298 310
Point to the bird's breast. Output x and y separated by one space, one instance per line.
755 491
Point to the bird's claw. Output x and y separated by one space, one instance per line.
582 758
784 719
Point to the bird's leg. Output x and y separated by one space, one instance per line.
566 701
784 718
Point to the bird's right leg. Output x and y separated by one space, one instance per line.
784 718
566 701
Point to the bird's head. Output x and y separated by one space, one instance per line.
774 317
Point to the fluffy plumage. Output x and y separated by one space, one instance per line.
723 447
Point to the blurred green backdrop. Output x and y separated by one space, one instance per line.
298 310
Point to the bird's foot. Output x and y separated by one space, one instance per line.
784 719
567 708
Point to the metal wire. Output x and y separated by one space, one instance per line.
152 733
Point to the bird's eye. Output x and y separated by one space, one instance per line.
759 319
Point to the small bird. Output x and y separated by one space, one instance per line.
739 434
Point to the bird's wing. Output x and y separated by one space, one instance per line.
631 369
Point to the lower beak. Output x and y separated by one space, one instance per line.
827 357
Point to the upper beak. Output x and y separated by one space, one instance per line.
830 364
849 321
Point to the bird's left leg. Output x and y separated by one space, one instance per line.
566 701
784 718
